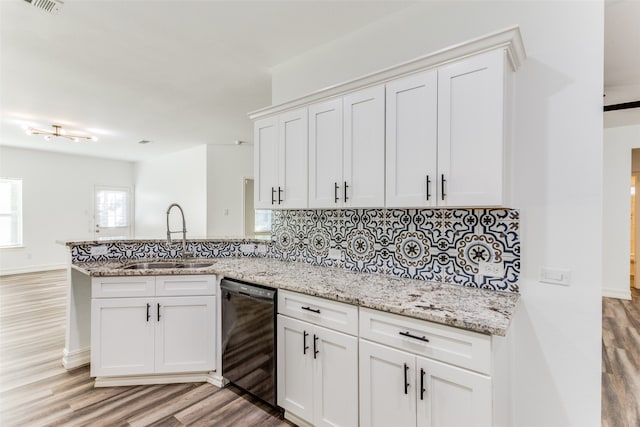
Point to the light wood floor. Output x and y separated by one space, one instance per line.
621 361
35 390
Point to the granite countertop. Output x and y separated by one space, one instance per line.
479 310
105 240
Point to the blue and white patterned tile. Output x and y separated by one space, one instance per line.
504 225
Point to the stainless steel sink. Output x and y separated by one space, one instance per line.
165 264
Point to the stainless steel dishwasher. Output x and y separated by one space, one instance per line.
249 337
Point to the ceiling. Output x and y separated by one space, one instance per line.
185 73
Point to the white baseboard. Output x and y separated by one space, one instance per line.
616 293
32 269
297 421
216 380
197 377
76 358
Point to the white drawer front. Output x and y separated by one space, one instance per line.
185 285
319 311
458 347
123 286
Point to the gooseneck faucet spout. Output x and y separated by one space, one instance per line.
183 231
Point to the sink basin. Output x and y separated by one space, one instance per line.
165 264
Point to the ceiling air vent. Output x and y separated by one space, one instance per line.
51 6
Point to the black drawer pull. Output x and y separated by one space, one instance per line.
408 334
279 195
428 187
305 347
273 196
406 380
148 313
315 346
422 389
335 192
345 192
443 182
158 312
315 310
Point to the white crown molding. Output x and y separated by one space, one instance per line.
508 39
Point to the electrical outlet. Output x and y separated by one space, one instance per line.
261 249
99 250
555 276
247 248
491 269
335 254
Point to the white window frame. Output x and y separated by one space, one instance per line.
15 213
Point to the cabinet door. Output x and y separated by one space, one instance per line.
293 161
295 375
325 154
452 397
411 168
122 336
363 183
387 386
470 130
265 140
335 378
185 332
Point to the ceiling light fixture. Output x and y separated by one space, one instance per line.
58 131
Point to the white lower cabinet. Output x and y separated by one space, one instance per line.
151 334
317 373
400 389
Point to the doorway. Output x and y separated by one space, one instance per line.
112 209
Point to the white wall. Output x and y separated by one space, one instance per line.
57 202
557 178
180 177
227 165
618 143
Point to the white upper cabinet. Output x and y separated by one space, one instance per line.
265 140
471 137
325 154
363 183
412 138
280 161
346 151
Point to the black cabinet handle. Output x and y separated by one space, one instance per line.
406 379
443 182
345 192
273 196
422 390
428 187
408 334
148 313
305 347
279 194
315 310
335 192
315 346
158 312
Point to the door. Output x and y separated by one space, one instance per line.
293 160
412 138
335 378
363 183
295 375
265 141
387 389
325 154
451 397
112 212
122 336
185 331
471 131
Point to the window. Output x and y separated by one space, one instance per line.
263 222
10 212
112 213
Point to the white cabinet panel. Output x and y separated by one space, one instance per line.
185 333
363 182
325 154
292 160
471 101
122 335
384 399
179 285
265 140
452 397
412 138
319 311
122 286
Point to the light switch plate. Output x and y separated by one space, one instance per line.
247 248
491 269
555 276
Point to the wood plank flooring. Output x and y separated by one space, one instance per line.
35 390
621 361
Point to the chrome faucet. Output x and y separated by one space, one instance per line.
183 231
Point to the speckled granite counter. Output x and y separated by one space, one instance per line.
478 310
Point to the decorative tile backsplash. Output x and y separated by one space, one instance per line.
440 245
